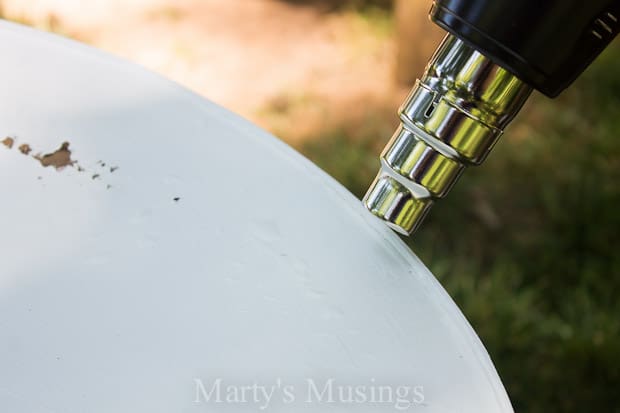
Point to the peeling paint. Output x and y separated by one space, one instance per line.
58 159
8 142
25 148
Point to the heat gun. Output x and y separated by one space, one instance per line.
495 53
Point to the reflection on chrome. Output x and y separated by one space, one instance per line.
452 118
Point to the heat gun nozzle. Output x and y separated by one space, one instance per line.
452 118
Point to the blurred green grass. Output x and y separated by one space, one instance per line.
527 244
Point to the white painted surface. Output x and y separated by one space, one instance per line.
117 299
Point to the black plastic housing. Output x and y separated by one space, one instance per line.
546 43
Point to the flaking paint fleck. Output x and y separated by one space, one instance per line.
8 142
25 148
59 159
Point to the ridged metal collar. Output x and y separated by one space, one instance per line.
452 118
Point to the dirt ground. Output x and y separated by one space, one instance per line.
295 70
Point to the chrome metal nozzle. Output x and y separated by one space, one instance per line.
452 118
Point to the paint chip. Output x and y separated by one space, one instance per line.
8 142
58 159
25 148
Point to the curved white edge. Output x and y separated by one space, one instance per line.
374 227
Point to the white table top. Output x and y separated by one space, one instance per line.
114 297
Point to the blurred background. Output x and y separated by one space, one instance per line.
527 244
